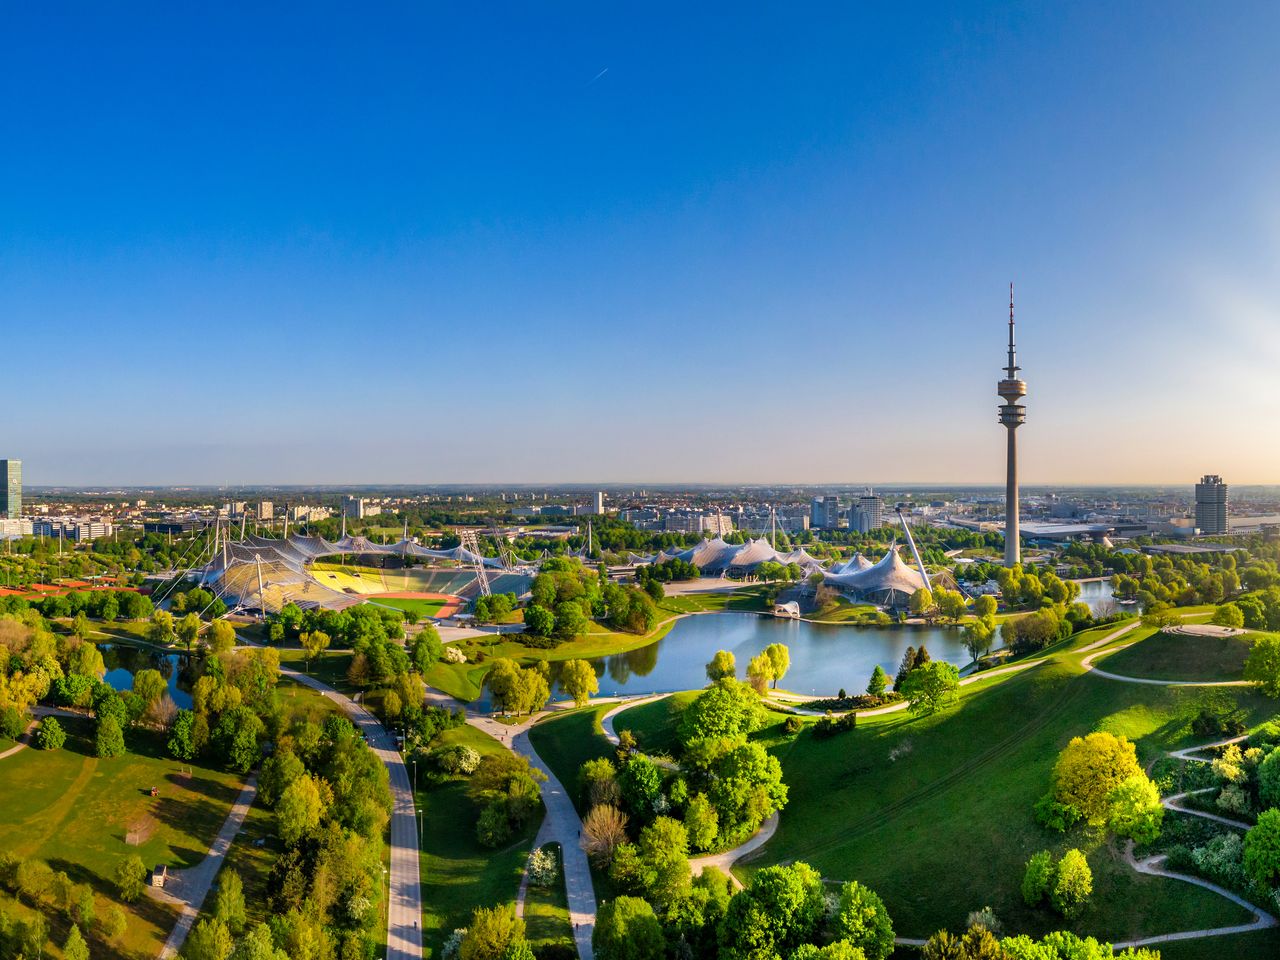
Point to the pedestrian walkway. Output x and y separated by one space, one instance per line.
187 889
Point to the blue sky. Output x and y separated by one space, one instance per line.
423 242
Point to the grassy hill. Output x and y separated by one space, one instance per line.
936 814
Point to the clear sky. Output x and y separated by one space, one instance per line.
423 242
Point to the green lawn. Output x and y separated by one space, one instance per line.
1172 656
546 912
423 608
748 597
1242 946
75 811
935 814
458 874
654 724
844 612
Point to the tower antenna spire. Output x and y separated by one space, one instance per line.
1013 367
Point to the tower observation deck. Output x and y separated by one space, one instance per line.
1012 415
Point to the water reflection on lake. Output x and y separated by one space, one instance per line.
123 662
1097 593
824 657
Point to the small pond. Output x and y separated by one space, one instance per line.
123 661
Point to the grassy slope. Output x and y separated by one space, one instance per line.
458 874
1166 656
947 827
73 810
330 667
566 741
546 913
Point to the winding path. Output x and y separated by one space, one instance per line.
39 711
725 861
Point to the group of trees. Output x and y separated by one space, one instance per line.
331 801
1097 780
940 603
783 912
928 685
644 819
1066 883
505 788
53 895
980 942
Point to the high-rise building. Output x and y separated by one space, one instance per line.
353 508
1012 415
597 505
11 489
826 512
266 510
1211 505
868 514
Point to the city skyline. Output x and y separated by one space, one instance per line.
580 247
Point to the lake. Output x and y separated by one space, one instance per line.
824 657
123 661
1096 593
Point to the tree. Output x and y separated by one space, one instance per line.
760 672
904 668
1262 848
725 709
641 785
391 706
722 665
188 629
702 822
131 875
160 631
85 905
182 743
1262 666
228 906
627 929
951 605
878 683
1228 615
1038 878
603 829
209 940
779 910
538 620
863 921
780 656
931 687
257 944
571 622
299 809
109 741
1089 769
977 639
985 607
492 933
1135 809
114 922
314 643
149 686
578 679
221 636
75 948
1072 884
1269 780
921 603
50 736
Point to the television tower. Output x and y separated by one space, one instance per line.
1013 415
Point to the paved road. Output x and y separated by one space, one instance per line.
187 889
404 933
728 858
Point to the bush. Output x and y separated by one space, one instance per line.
1210 722
12 723
1222 860
51 736
1054 815
830 726
1038 878
1072 884
792 725
456 760
544 866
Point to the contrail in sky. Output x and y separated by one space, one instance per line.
597 76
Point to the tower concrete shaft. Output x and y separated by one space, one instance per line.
1012 415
